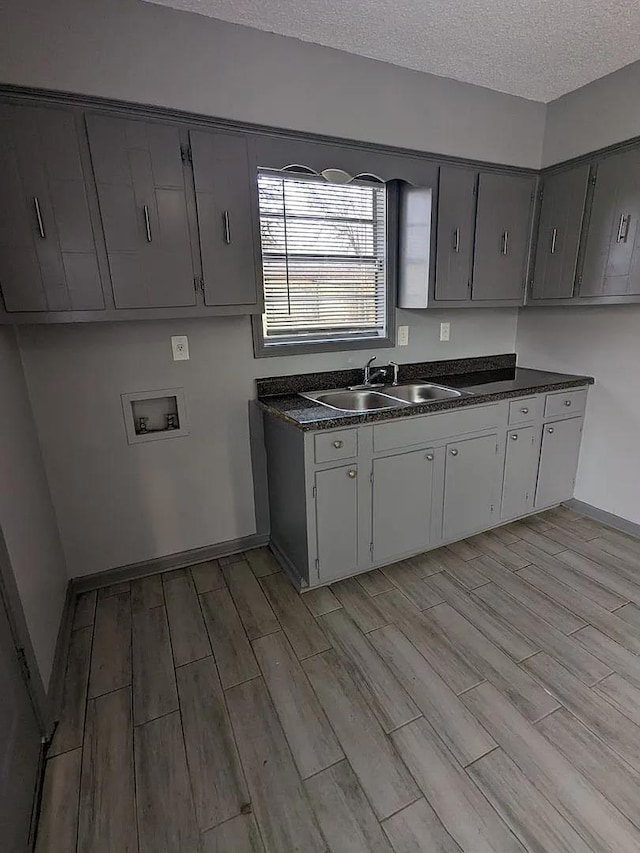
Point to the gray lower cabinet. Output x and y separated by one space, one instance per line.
456 228
563 197
469 486
402 496
558 461
226 198
47 246
141 189
336 516
611 265
520 469
347 500
503 230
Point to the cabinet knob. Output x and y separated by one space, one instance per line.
338 444
514 436
352 473
550 429
429 457
453 452
525 410
567 402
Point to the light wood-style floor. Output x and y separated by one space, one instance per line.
482 698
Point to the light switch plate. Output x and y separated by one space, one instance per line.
180 347
403 336
445 331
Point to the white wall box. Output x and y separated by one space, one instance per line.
154 415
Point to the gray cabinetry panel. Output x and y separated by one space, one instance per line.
226 197
456 228
520 468
611 265
558 461
141 189
336 497
503 224
47 248
402 496
561 214
469 487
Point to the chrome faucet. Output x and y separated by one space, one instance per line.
367 371
378 376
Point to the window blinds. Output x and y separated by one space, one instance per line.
323 259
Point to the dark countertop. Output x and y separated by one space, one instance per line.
485 386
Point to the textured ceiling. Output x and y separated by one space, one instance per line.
539 49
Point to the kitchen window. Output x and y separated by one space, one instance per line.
325 264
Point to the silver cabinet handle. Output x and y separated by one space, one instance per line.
453 452
623 228
554 237
429 457
525 410
338 444
551 429
36 204
456 240
567 402
352 473
227 227
147 223
505 242
514 436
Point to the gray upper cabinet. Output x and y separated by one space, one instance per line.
558 462
47 247
402 526
469 486
561 214
611 265
456 228
141 188
226 196
503 228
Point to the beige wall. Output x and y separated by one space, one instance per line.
119 503
26 513
140 52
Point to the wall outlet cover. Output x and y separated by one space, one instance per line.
403 336
180 347
445 331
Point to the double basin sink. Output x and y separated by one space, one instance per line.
375 398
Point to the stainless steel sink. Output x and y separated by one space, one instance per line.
362 400
421 392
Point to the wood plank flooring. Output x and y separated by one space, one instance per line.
482 698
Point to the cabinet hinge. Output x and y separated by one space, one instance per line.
198 283
317 565
371 476
314 492
594 179
469 284
24 666
541 195
371 549
491 507
185 153
497 448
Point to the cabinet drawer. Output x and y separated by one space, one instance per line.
429 428
565 403
338 444
525 410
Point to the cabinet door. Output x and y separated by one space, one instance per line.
470 485
503 222
227 214
140 177
520 468
456 225
47 247
558 462
402 487
336 495
611 264
563 199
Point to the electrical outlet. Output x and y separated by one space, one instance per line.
403 336
180 347
445 331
